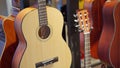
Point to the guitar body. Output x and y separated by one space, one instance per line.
11 43
32 49
2 36
94 8
109 45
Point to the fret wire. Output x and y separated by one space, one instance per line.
43 24
42 16
42 11
42 21
39 1
41 4
42 8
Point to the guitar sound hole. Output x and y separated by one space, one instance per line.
44 32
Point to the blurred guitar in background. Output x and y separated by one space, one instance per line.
11 40
94 7
109 45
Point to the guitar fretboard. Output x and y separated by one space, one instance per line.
42 12
87 59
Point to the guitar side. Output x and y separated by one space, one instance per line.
32 49
11 42
109 49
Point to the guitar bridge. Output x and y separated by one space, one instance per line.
47 62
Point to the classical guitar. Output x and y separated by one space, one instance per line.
94 7
109 45
40 41
2 36
11 40
85 27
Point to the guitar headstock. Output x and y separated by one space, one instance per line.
83 21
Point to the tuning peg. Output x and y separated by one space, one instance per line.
77 25
91 28
79 30
75 15
75 20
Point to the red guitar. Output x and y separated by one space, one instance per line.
109 45
94 8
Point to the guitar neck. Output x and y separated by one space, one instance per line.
87 59
42 12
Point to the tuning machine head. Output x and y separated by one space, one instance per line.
80 30
91 28
75 15
76 20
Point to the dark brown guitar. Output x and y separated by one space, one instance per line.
109 45
11 40
94 7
